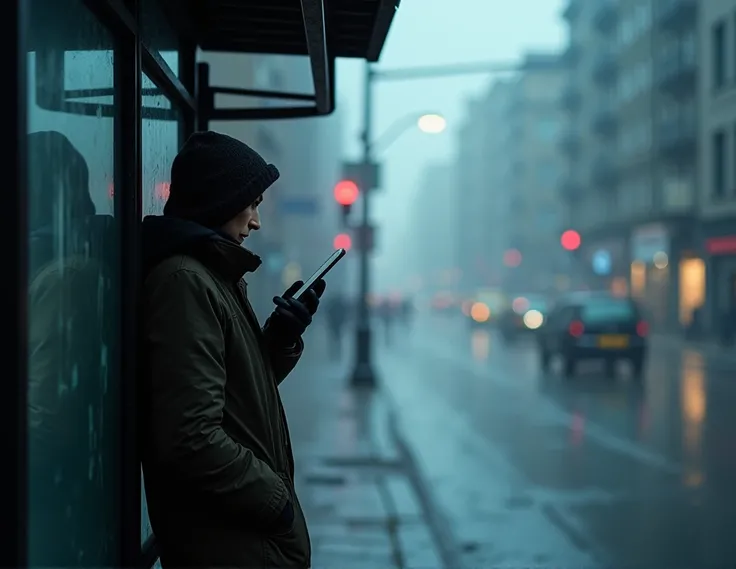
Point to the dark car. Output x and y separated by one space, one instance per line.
594 326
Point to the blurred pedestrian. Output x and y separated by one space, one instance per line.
337 309
218 463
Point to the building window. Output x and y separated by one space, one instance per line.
719 163
719 55
73 295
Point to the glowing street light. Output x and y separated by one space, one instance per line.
432 123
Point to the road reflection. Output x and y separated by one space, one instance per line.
693 403
480 345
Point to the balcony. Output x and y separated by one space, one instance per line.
677 139
677 72
571 99
605 121
605 16
605 68
572 10
569 190
604 173
570 143
677 15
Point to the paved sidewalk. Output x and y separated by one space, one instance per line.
354 482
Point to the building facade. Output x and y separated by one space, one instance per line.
431 239
471 195
633 162
537 165
717 154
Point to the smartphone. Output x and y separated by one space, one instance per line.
320 273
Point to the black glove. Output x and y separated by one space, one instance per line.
291 317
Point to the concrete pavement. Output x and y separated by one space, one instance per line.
357 483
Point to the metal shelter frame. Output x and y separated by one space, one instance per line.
343 28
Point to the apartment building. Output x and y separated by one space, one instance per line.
430 258
499 176
535 213
717 154
472 187
590 187
632 170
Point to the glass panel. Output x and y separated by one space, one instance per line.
160 143
73 299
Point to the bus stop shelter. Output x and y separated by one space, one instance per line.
100 72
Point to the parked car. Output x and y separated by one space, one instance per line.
594 326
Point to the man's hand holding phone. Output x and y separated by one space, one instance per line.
291 317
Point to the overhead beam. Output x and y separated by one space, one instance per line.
384 16
313 13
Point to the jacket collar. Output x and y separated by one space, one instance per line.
228 258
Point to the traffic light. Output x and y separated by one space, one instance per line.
570 240
342 241
346 192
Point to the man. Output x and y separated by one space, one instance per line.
218 465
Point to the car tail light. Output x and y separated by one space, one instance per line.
576 328
642 328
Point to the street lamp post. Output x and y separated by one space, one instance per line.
363 374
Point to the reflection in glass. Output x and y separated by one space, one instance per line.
160 143
72 302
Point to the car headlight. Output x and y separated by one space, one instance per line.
533 319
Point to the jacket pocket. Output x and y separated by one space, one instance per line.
292 548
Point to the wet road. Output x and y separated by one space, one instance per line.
585 471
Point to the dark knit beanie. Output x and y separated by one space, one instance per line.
215 177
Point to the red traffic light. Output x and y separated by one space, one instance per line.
512 258
346 192
570 240
342 241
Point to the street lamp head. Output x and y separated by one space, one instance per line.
432 123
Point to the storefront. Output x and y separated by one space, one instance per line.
666 274
719 245
100 95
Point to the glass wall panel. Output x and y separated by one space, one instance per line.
73 297
160 143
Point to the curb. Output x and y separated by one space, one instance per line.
438 524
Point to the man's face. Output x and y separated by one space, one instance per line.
240 226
